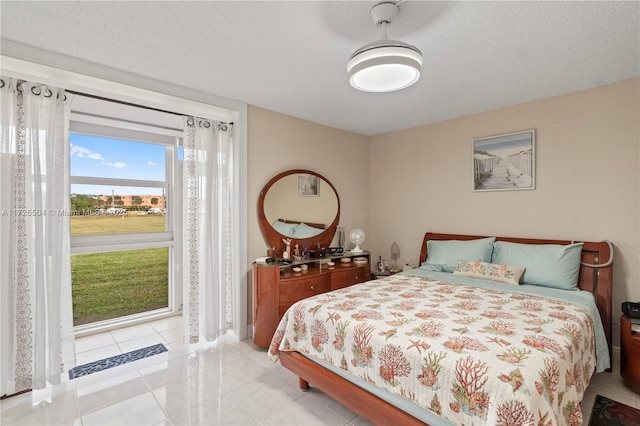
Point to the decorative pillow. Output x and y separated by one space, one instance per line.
490 271
546 265
306 231
444 255
286 229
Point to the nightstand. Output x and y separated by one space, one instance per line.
378 274
629 354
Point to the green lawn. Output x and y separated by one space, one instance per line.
102 224
114 284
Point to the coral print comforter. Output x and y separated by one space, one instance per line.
471 355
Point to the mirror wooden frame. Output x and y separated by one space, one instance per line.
274 239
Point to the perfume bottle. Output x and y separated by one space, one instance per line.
380 264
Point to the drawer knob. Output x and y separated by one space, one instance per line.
312 288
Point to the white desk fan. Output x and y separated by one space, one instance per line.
356 236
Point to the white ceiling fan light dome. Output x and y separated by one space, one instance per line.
384 65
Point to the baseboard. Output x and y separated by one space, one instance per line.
615 355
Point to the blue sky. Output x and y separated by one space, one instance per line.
516 141
113 158
503 146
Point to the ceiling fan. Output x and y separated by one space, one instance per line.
384 65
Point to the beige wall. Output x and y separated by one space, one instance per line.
278 142
397 186
587 179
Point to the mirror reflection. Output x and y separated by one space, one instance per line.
300 205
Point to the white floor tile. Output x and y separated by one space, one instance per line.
139 410
171 371
269 394
141 342
177 346
134 332
167 323
32 409
226 382
110 391
172 335
304 411
96 341
181 395
97 354
223 410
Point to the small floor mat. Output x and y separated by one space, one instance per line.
607 412
114 361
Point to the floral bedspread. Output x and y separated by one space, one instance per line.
471 355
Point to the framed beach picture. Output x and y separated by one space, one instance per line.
308 185
504 162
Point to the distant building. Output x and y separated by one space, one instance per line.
127 201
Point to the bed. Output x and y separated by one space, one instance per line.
298 229
435 346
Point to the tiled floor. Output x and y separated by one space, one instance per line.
228 382
98 346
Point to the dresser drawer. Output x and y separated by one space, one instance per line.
276 287
340 279
293 290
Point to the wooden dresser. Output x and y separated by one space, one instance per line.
277 286
629 354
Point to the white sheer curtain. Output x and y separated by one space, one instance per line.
207 229
36 324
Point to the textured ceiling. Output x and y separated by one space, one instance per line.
290 57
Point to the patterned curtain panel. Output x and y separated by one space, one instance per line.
207 228
36 324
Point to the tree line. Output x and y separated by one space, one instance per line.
84 203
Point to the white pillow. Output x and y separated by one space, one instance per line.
490 271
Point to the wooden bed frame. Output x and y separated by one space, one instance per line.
311 224
598 281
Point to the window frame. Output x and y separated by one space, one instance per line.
109 128
28 62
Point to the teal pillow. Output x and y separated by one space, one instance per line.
443 256
546 265
286 229
306 231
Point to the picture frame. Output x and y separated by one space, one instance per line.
308 185
504 162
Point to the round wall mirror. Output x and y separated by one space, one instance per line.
301 205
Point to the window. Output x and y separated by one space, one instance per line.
123 86
131 185
123 178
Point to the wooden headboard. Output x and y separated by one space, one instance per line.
598 281
311 224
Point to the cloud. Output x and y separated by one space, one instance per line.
82 152
151 163
117 165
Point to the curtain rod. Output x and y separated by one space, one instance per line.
101 98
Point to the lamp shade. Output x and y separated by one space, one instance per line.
384 66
